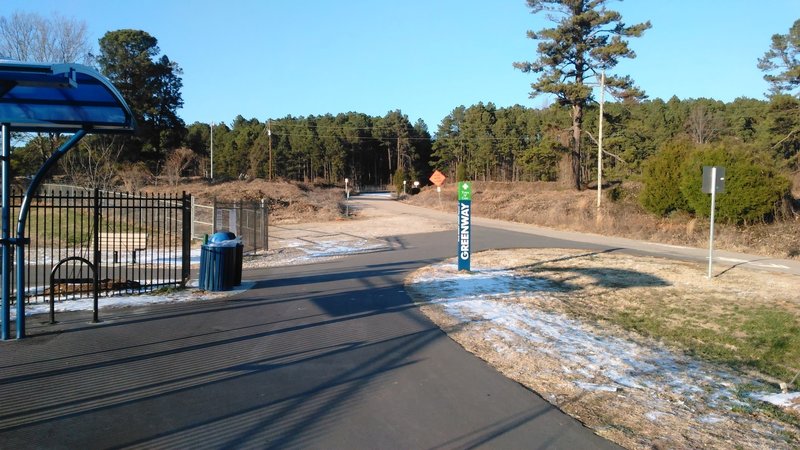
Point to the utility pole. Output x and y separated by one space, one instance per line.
212 151
600 143
269 136
398 151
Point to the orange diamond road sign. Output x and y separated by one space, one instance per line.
437 178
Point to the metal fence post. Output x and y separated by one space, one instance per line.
214 216
96 251
265 223
188 216
255 229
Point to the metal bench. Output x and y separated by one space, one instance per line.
130 243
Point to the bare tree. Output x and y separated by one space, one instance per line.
702 125
177 162
34 38
93 164
135 176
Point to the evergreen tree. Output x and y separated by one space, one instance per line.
587 39
481 144
754 188
781 63
449 146
150 84
662 176
423 146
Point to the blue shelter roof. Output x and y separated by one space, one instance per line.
60 98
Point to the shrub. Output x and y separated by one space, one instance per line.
615 193
399 176
753 186
661 175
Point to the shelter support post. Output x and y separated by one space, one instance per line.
23 216
5 155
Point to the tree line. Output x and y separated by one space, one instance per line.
522 144
367 149
481 141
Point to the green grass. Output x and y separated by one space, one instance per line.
63 226
68 227
760 338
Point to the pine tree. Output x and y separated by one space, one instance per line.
587 39
781 63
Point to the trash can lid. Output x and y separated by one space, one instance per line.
220 236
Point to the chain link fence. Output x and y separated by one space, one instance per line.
247 220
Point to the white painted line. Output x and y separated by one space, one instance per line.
670 246
752 263
733 260
770 266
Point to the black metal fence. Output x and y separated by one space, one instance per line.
138 243
247 220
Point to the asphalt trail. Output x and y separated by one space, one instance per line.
331 355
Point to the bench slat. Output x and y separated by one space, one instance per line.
123 241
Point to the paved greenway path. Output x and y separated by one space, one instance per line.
329 355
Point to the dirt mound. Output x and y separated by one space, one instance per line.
548 205
288 202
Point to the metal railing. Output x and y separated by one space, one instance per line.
136 243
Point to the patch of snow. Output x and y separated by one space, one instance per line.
654 416
123 301
784 400
593 358
381 195
711 419
479 283
596 387
315 249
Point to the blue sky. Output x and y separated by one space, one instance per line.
268 59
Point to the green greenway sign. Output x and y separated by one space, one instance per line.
464 190
464 225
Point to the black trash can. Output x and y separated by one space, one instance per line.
221 262
237 271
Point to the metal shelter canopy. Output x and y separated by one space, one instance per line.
60 98
47 98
